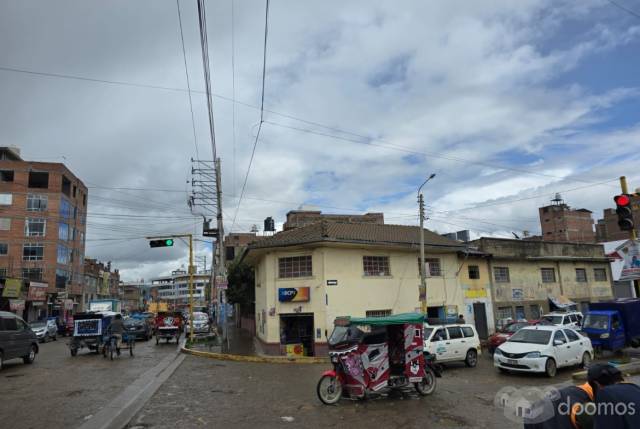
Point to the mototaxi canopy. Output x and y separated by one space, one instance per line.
394 319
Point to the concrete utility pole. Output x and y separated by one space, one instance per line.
423 275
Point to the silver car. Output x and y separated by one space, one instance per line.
45 330
200 323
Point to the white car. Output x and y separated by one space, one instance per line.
450 343
543 348
571 319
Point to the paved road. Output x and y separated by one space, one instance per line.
209 393
60 391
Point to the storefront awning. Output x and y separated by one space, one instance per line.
561 302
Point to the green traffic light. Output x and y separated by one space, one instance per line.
168 242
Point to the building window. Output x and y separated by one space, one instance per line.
63 231
32 252
6 175
65 208
474 272
66 186
36 203
35 227
3 272
39 179
535 311
294 266
501 274
231 253
505 313
434 267
5 223
4 249
600 274
62 278
581 275
34 274
63 254
378 313
6 199
548 275
376 266
84 200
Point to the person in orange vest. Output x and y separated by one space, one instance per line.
575 407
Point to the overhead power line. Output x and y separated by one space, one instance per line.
204 44
255 143
624 8
186 74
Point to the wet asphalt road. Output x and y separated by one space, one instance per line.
210 393
60 391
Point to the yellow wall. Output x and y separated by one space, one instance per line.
355 293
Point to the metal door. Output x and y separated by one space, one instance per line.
480 318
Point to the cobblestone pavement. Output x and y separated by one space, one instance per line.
60 391
210 393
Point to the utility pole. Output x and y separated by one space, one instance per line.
632 232
423 274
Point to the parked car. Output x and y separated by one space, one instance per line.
45 330
451 343
139 327
570 319
544 349
17 340
200 323
505 333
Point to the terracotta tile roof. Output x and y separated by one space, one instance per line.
347 232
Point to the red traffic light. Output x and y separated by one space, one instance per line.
622 200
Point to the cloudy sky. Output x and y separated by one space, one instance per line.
508 102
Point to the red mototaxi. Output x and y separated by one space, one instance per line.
375 355
168 326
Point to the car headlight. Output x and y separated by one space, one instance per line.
604 335
532 355
497 352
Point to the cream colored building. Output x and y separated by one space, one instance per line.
308 276
526 277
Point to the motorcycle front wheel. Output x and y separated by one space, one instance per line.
329 390
428 384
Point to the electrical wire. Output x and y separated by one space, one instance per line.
233 91
204 44
624 8
186 73
255 143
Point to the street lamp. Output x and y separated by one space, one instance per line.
423 277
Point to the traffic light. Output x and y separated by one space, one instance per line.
623 209
165 242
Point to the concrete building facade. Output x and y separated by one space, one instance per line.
526 276
43 208
174 289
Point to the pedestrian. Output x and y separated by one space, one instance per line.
460 320
574 407
617 404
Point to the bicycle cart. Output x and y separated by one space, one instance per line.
109 349
88 331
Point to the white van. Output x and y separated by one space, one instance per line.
570 319
451 343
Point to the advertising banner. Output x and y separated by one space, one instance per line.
630 253
37 292
16 304
12 288
293 294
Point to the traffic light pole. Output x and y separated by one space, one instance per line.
191 269
625 190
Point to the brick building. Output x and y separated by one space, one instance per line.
299 218
43 209
235 243
607 228
559 222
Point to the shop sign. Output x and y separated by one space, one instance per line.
630 253
452 311
332 282
293 294
517 294
16 304
37 292
12 288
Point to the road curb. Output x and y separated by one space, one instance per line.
626 369
119 412
255 359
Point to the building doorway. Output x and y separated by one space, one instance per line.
480 319
297 330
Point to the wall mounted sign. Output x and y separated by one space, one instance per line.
517 294
37 292
12 288
332 282
293 294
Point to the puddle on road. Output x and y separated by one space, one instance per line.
14 375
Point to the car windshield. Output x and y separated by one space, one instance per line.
554 320
513 327
37 325
532 336
132 321
342 334
596 321
200 316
